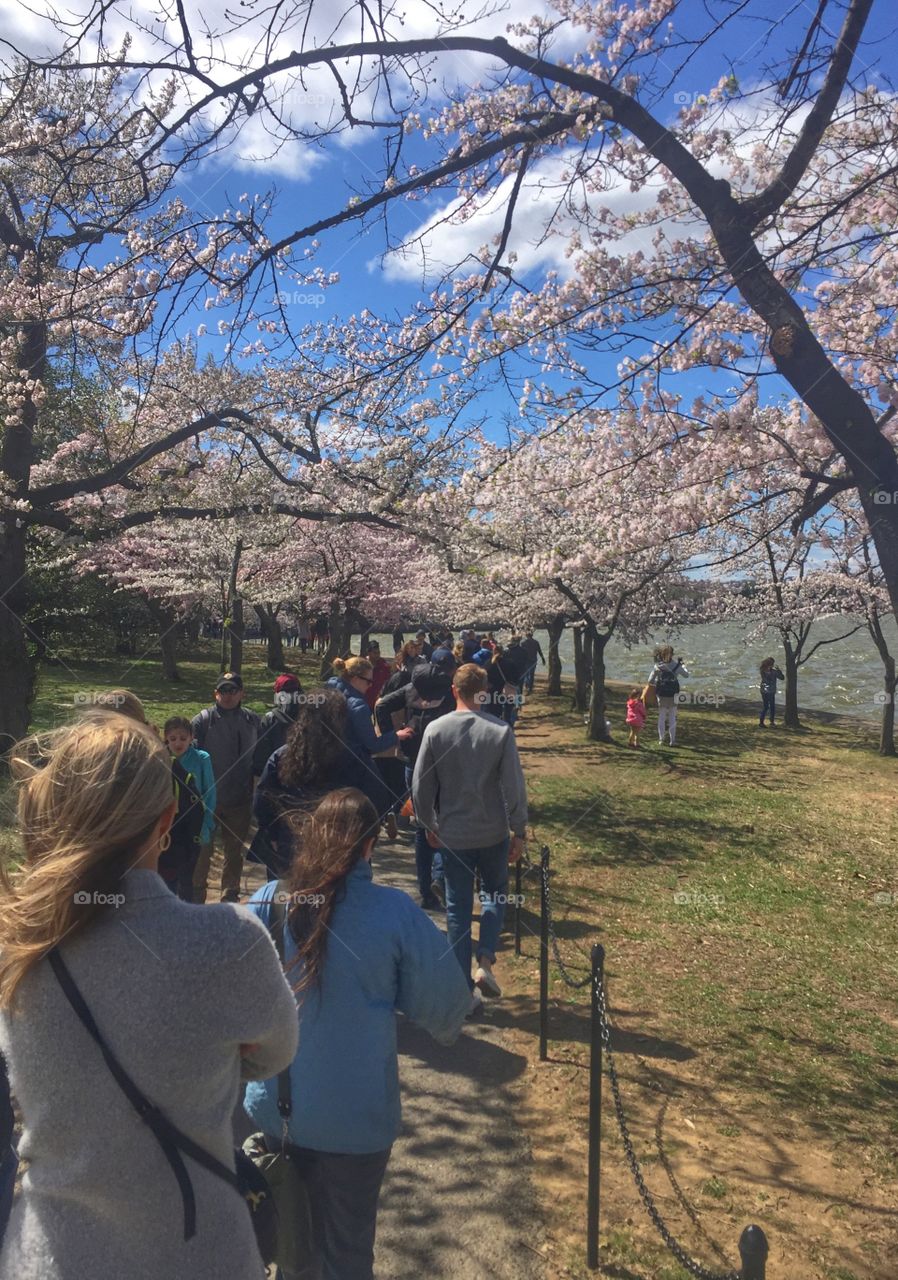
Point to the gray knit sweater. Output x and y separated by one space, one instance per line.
468 783
175 990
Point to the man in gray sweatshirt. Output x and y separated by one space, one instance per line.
468 791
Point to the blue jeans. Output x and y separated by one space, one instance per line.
428 862
460 867
768 704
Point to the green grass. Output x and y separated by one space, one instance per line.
737 883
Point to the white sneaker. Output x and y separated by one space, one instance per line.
476 1009
487 983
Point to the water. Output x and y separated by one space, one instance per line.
845 676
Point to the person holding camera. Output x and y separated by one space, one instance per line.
663 679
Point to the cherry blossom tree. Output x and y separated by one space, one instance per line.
758 233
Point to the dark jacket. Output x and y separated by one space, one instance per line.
363 742
416 717
275 841
230 738
514 663
276 724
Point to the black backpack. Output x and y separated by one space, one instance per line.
667 685
189 819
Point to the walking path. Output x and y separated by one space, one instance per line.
459 1201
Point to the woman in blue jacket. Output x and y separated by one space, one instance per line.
354 952
353 677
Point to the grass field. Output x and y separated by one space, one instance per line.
745 887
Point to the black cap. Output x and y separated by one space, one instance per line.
230 680
431 682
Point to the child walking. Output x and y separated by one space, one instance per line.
194 822
635 716
770 673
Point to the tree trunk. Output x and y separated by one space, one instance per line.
553 659
335 647
596 728
887 728
167 626
790 716
580 671
271 630
236 632
16 670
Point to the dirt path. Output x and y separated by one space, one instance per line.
459 1201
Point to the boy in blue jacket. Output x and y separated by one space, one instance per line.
194 823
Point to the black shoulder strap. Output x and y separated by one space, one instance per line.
277 924
171 1139
202 728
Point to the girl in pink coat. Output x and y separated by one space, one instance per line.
635 716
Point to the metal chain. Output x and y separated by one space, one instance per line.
689 1264
556 951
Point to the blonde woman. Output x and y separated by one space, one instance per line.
353 678
663 680
187 1000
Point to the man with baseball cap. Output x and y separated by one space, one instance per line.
277 723
230 733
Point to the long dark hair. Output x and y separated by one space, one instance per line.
333 841
316 740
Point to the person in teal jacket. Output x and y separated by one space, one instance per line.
194 823
355 952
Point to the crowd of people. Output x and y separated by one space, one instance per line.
134 1016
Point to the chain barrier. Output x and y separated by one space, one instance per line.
686 1262
574 983
753 1244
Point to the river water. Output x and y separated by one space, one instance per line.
844 676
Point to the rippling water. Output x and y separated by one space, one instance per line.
844 676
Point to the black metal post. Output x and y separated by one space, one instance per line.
753 1250
544 954
517 907
595 1111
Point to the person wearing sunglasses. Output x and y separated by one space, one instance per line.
353 677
